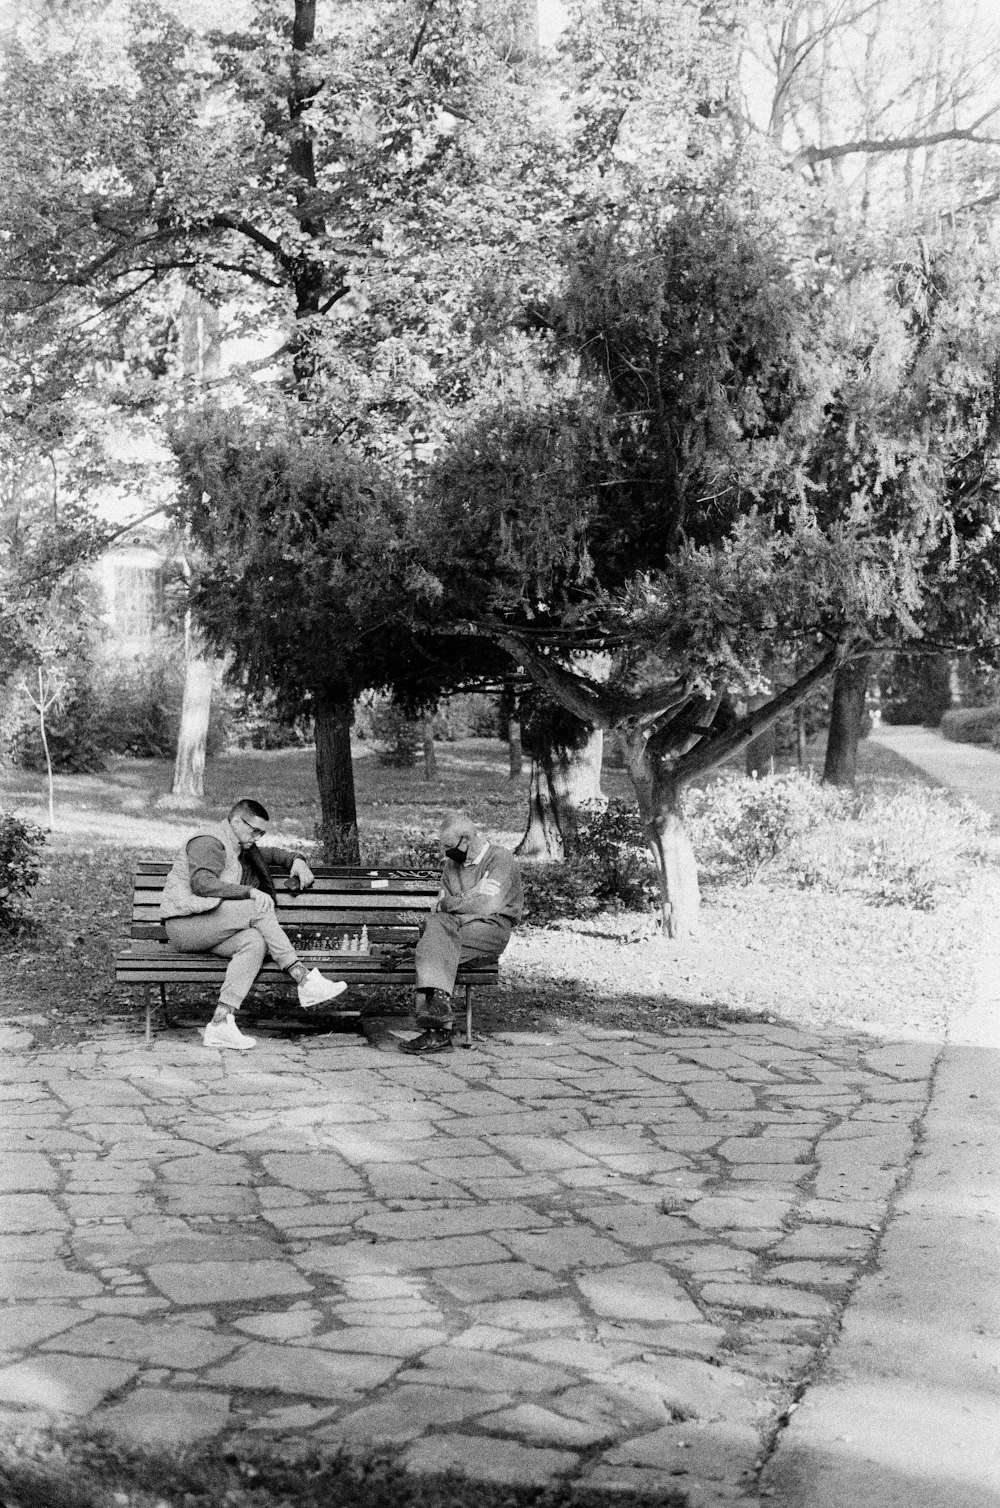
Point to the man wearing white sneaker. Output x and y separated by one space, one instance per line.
219 898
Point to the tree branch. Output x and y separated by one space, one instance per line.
335 298
576 693
601 706
418 40
709 752
249 230
874 145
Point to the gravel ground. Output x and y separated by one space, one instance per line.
830 962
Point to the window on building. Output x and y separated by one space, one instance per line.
137 607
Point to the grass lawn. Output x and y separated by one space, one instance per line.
807 957
81 1473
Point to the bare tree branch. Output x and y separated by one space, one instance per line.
876 145
418 40
593 703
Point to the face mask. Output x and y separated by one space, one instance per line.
459 853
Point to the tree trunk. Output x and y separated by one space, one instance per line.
800 735
45 746
677 870
338 827
430 754
847 722
658 796
192 737
515 754
564 782
511 723
761 751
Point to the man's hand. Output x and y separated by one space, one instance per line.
301 871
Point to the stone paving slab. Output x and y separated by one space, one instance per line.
609 1257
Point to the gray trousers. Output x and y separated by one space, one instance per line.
242 931
445 942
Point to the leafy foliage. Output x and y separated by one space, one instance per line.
114 706
396 737
973 725
613 845
915 689
895 846
21 844
740 825
306 555
610 867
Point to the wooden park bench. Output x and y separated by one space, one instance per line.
388 903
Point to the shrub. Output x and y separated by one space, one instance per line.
469 714
411 849
555 891
739 824
973 725
253 723
72 731
896 846
915 689
612 866
612 845
20 867
396 737
116 706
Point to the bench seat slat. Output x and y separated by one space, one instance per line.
151 973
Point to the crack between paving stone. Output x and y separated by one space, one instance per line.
818 1364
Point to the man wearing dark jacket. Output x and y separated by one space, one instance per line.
479 903
219 898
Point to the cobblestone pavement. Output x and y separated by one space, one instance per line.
608 1257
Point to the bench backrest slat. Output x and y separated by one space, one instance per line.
391 902
152 870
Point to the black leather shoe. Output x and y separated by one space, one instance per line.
432 1040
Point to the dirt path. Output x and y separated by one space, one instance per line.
967 768
905 1412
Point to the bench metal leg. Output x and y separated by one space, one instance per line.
147 991
468 1015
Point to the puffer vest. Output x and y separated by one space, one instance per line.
178 899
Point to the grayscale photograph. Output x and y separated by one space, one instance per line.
499 753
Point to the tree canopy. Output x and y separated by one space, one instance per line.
562 356
764 475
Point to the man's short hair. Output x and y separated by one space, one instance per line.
458 823
246 807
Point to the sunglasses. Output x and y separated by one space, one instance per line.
258 832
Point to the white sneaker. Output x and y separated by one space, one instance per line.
227 1034
315 990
